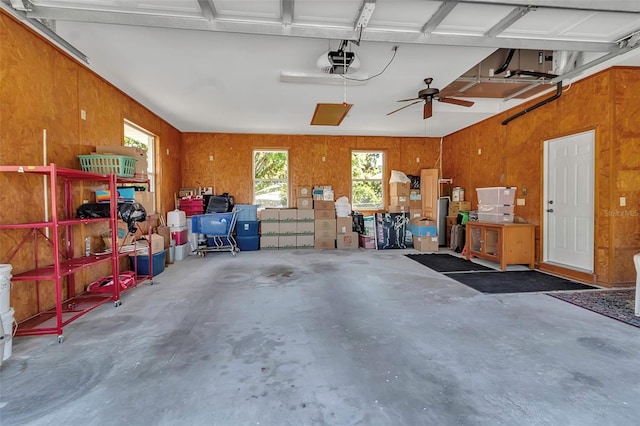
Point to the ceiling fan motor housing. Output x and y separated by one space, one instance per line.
428 93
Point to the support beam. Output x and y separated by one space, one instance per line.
287 11
208 9
364 15
508 20
437 18
296 30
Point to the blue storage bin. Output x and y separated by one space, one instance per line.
211 223
141 263
247 212
249 243
247 229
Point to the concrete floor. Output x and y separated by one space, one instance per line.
325 338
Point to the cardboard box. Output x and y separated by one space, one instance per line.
325 214
269 243
287 228
287 242
307 215
367 241
425 243
270 215
457 206
165 232
305 241
324 244
415 204
398 209
304 203
288 215
139 154
303 192
344 225
305 227
157 243
324 205
399 200
347 241
423 227
322 224
147 199
399 189
326 234
415 213
269 228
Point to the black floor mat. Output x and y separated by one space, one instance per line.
516 282
447 263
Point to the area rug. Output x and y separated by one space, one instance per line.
447 263
616 304
516 282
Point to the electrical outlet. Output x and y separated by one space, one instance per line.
623 201
167 151
83 114
324 159
417 159
479 151
211 158
520 202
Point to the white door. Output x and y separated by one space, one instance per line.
569 201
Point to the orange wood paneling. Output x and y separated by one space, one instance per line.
42 88
232 167
606 102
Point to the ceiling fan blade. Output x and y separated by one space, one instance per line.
455 101
406 106
427 111
407 100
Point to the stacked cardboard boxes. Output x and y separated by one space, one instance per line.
346 238
399 201
269 229
425 234
283 229
325 224
415 203
305 229
458 206
304 201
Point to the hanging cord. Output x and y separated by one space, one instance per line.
395 51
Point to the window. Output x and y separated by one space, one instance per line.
271 178
137 137
366 179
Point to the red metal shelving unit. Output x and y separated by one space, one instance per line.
52 321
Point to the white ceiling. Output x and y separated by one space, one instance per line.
215 65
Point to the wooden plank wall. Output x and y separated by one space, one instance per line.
232 166
489 154
42 87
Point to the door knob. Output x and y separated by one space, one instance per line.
550 210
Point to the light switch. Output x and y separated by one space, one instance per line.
623 201
211 158
83 114
479 151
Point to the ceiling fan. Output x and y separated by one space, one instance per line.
427 96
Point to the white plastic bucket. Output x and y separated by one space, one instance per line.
5 287
7 328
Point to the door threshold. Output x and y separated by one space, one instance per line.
579 275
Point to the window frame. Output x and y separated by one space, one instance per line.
383 194
286 181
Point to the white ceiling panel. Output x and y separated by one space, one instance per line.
407 15
332 12
187 8
473 19
262 9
